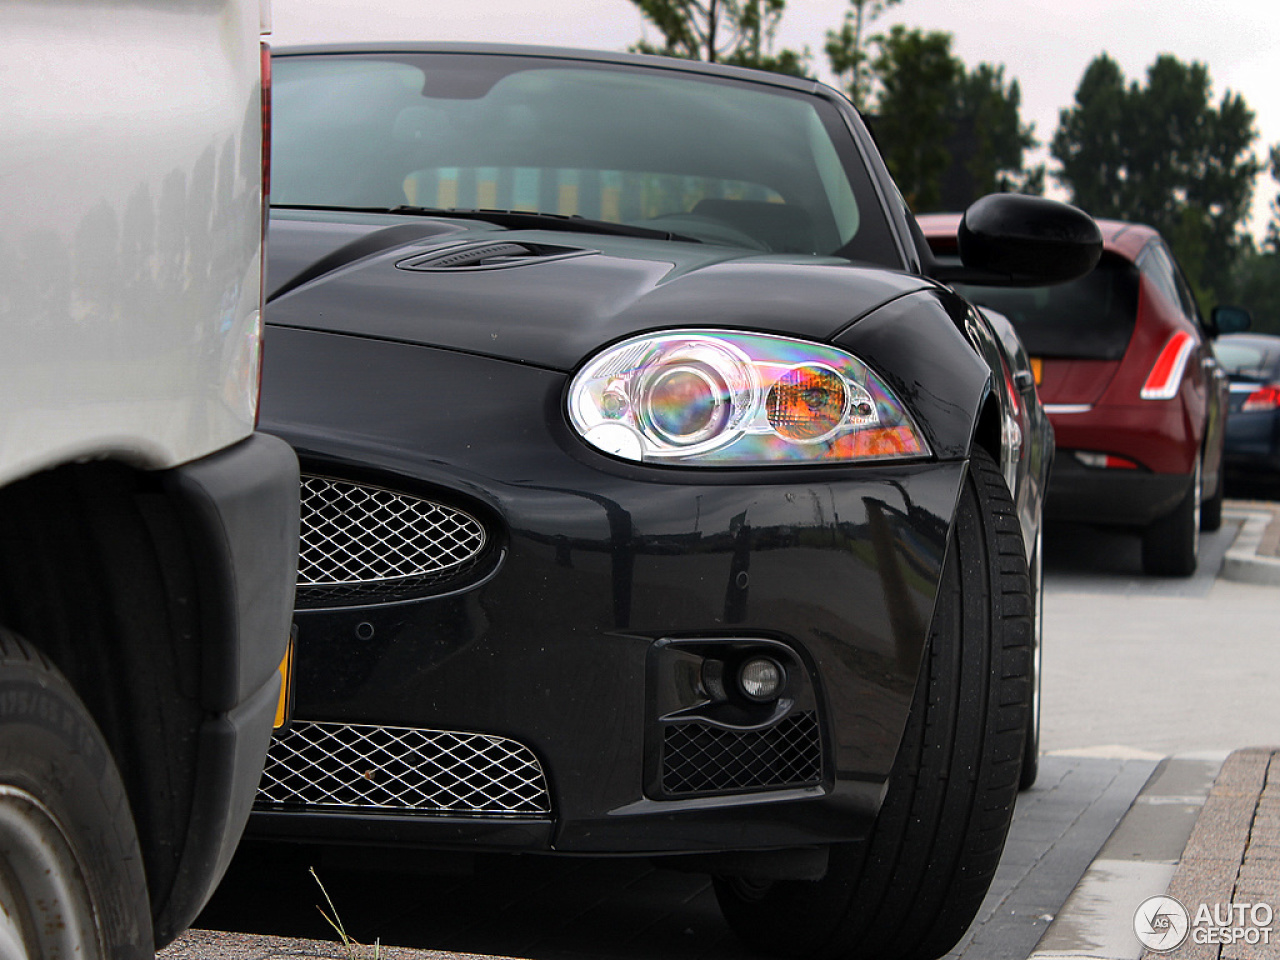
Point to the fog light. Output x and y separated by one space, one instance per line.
761 679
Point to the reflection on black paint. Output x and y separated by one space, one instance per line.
621 548
735 598
905 623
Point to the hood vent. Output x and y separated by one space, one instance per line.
489 255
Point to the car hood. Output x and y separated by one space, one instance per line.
546 297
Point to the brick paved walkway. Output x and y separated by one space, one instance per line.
1233 856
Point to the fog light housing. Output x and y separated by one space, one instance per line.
761 679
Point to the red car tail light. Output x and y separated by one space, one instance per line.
1264 398
1166 376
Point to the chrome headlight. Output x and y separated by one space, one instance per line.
720 398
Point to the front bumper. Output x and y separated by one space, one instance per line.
574 638
571 648
240 509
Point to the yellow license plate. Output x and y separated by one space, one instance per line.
1037 369
284 706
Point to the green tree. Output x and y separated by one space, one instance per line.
917 78
1090 141
1255 281
989 141
1255 284
846 47
739 32
949 135
1273 228
1163 153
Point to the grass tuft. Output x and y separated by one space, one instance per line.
354 949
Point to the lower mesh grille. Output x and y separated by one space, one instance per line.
337 765
699 758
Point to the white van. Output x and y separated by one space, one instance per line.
148 533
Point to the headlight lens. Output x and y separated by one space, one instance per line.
720 398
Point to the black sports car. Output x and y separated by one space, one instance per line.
658 500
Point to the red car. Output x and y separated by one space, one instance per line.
1124 368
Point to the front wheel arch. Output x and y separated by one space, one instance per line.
911 889
989 432
96 574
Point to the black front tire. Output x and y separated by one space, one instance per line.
68 848
1031 749
912 888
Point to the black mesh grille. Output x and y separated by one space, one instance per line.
700 758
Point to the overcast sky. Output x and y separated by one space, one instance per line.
1044 44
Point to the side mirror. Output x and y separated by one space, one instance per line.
1013 240
1230 320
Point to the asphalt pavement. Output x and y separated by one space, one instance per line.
1160 665
1107 827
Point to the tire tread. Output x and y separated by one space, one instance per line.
69 769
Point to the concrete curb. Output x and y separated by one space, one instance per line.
1203 846
1243 562
1138 861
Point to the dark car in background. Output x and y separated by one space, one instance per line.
656 501
1125 369
1252 364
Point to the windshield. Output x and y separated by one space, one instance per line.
728 162
1248 358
